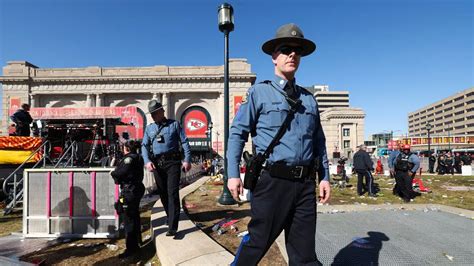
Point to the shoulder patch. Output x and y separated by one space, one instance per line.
127 160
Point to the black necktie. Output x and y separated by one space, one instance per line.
290 89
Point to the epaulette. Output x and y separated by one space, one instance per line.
266 82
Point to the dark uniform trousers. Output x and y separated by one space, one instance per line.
369 182
404 185
279 204
431 166
167 181
132 194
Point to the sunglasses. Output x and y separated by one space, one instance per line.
287 50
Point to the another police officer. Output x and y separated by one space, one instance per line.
431 162
405 164
285 194
129 174
22 120
364 166
161 152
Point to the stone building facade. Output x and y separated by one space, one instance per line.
179 88
344 130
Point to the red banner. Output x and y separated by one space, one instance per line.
237 103
15 104
127 114
195 124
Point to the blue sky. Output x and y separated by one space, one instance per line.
394 57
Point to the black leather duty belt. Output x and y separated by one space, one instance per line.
297 172
171 156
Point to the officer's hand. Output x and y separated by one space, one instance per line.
186 166
236 187
324 191
150 166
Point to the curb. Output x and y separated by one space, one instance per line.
190 246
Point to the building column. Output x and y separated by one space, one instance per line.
98 100
165 102
32 100
88 100
154 96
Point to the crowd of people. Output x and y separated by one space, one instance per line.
447 163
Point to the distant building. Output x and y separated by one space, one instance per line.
328 99
343 125
344 130
454 114
451 119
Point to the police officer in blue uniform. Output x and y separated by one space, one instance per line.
161 152
405 165
129 175
285 195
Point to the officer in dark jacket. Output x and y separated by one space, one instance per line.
129 175
431 162
457 163
161 152
363 166
406 164
449 163
22 120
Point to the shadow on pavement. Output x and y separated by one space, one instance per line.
362 251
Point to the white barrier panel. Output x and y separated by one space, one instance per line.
70 202
466 170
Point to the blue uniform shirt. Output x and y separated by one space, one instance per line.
391 158
172 135
263 113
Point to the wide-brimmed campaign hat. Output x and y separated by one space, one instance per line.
154 106
286 34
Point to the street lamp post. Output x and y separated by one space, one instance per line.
226 25
428 128
210 126
449 140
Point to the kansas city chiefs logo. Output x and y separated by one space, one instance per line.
194 124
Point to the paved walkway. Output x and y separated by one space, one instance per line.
402 234
190 246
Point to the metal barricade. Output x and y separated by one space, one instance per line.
70 202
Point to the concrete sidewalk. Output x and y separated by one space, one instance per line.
190 246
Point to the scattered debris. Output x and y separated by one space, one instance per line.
241 234
444 196
363 204
360 240
458 188
200 225
190 205
451 258
112 247
146 238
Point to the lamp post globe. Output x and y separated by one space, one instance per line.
225 18
226 25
